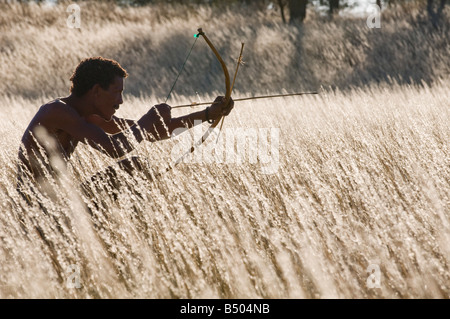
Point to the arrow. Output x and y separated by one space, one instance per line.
246 99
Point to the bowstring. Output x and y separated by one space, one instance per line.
182 67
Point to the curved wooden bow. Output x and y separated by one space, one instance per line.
228 89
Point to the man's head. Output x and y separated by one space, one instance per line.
93 71
103 80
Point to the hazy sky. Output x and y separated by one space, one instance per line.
357 7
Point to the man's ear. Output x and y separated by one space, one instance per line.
96 89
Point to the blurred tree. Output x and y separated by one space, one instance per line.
297 10
435 12
282 4
334 6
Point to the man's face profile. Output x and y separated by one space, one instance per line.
108 101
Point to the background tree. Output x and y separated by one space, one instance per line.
297 10
334 6
282 4
435 11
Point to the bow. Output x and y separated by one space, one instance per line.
228 89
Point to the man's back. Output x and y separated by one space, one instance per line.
44 138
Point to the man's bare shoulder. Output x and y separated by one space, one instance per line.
55 112
57 106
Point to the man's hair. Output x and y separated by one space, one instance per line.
96 70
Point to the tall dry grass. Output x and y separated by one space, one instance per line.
363 177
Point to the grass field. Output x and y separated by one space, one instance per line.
357 205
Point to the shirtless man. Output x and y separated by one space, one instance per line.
87 116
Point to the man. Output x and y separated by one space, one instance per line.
87 116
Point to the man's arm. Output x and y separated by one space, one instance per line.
217 109
116 125
60 116
156 124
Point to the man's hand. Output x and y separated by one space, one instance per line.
220 108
